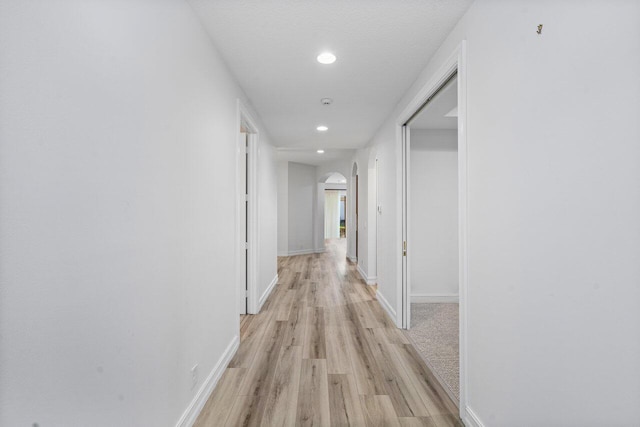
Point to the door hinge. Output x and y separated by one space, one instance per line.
246 293
246 197
246 245
404 248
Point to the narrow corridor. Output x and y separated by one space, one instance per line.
323 352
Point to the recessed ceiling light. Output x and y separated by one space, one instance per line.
326 58
320 151
322 128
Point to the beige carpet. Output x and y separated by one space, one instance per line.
434 331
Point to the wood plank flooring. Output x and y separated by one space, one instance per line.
322 352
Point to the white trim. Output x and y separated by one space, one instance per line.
244 118
241 279
406 182
190 415
439 78
368 280
434 298
302 252
386 306
353 259
455 62
267 292
253 224
399 226
463 219
470 419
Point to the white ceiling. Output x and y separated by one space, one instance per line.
311 157
433 115
381 45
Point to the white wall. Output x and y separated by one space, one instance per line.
371 217
302 193
283 207
301 228
268 175
367 216
554 202
434 215
118 124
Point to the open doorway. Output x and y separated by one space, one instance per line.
335 200
335 208
432 194
433 221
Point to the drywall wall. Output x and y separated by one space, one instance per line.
364 163
302 194
267 216
372 217
433 235
553 208
117 130
283 207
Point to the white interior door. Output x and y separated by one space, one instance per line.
243 225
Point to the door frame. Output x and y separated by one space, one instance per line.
357 202
456 62
245 119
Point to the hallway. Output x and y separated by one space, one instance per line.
323 352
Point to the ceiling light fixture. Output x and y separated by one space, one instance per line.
326 58
320 151
322 128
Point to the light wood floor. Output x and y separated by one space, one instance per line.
322 352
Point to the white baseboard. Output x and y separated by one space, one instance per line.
302 252
427 298
267 292
369 280
193 410
470 418
387 307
